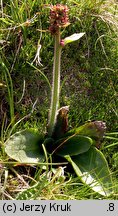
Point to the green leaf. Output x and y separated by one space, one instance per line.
73 145
95 130
25 146
73 38
93 170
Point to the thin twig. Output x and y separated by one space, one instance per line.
20 177
101 42
27 116
17 52
22 93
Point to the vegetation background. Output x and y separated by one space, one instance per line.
89 79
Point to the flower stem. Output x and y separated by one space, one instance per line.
55 85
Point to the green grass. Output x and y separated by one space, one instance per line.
89 86
21 183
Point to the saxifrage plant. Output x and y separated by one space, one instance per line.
79 146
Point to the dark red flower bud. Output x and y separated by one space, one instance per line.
62 43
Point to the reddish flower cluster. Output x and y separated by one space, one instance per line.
58 17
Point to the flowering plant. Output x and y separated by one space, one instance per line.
79 146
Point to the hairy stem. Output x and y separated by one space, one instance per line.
56 84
